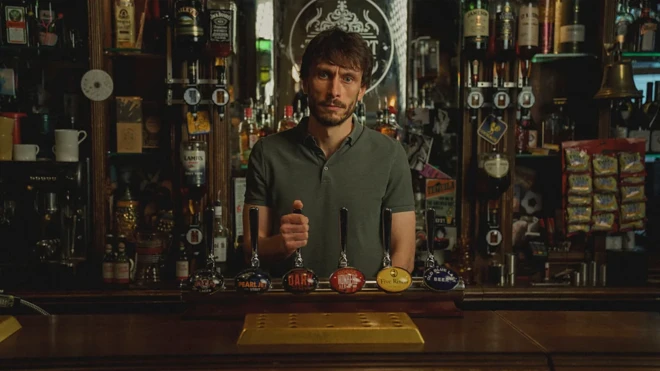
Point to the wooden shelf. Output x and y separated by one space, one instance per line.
548 58
131 53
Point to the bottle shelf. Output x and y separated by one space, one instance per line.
135 156
548 58
644 56
131 53
50 52
528 155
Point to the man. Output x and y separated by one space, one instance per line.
327 162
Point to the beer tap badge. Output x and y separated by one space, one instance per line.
362 17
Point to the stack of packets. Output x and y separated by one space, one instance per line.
604 186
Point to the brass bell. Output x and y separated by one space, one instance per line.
618 82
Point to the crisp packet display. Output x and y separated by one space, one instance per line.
579 184
579 200
577 160
605 202
635 225
578 214
605 165
633 193
605 184
603 222
630 163
629 180
577 228
633 211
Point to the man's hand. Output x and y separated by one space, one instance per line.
294 229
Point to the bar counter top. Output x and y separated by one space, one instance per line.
479 340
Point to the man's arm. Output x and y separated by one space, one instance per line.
403 240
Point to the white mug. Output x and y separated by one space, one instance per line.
25 152
66 144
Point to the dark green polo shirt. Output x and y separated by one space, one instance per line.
368 173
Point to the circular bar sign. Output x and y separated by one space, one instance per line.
347 280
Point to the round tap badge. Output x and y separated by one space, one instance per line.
363 17
347 280
440 279
252 281
393 279
300 281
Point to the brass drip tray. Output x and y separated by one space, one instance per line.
329 328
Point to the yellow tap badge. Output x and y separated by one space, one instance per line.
393 279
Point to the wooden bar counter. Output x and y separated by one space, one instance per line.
480 340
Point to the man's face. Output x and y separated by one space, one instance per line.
333 93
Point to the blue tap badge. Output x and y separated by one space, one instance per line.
441 279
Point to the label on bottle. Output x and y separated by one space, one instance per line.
557 32
121 272
505 22
252 140
528 26
16 25
221 26
475 23
647 36
124 26
182 270
496 167
220 249
573 33
194 167
189 22
108 272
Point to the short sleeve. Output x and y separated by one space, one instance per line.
399 193
256 186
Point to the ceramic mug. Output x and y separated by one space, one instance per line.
25 152
66 144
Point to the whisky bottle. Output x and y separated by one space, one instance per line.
108 264
220 239
124 23
644 30
475 29
122 264
287 122
189 28
572 31
222 27
503 25
193 160
528 29
546 26
182 264
248 136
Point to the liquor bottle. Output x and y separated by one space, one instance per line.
127 207
222 27
528 29
189 29
182 264
122 266
653 113
124 23
546 26
287 121
503 26
648 101
264 126
15 23
220 239
475 29
298 115
622 24
248 136
193 159
572 32
644 29
556 42
108 264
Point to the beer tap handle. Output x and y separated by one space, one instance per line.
254 235
387 236
298 261
430 237
343 236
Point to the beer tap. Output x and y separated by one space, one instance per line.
191 95
221 94
526 100
475 98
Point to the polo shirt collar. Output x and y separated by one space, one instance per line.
306 137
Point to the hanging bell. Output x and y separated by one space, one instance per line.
618 82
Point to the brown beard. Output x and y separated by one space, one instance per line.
329 120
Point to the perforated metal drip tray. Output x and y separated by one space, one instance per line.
329 329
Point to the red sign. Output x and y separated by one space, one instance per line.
347 280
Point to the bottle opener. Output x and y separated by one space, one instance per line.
345 280
253 280
436 278
391 279
299 280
